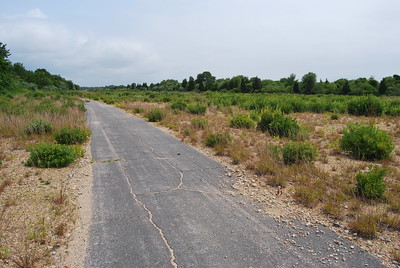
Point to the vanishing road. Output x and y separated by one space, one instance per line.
160 203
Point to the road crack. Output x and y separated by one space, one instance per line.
141 203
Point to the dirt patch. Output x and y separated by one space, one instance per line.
40 208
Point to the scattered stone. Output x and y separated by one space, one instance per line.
386 239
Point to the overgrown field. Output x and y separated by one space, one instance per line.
335 155
36 207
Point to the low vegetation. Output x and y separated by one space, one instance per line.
366 142
50 155
71 135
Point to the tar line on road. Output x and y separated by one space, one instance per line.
160 203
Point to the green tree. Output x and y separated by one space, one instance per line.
243 85
5 68
256 83
205 81
184 83
191 84
308 82
4 52
346 88
296 87
382 87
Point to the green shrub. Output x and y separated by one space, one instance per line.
334 116
179 105
242 121
38 126
50 155
71 135
218 139
366 105
79 151
196 109
366 142
138 110
299 152
156 115
199 123
370 184
278 124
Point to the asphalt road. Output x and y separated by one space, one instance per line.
160 203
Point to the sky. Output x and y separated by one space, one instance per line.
99 42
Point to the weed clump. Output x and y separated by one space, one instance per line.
218 139
278 124
366 225
335 117
370 184
366 105
179 105
196 109
156 115
242 121
71 135
366 142
50 155
199 123
299 152
38 126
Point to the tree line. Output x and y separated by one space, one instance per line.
13 74
308 84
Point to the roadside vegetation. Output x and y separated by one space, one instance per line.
324 152
37 120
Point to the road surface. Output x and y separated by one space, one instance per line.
160 203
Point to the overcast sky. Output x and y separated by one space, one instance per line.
99 42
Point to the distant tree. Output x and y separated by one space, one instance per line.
296 87
191 84
243 85
382 87
308 82
184 83
4 52
373 82
396 77
235 82
290 80
145 85
346 88
256 83
205 81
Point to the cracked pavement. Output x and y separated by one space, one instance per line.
160 203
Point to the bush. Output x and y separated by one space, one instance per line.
242 121
278 124
298 152
196 109
366 142
38 126
370 184
71 135
199 123
334 116
179 105
218 139
156 115
50 155
367 105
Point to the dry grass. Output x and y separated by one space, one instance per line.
35 216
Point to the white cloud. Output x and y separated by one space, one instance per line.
36 13
76 56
